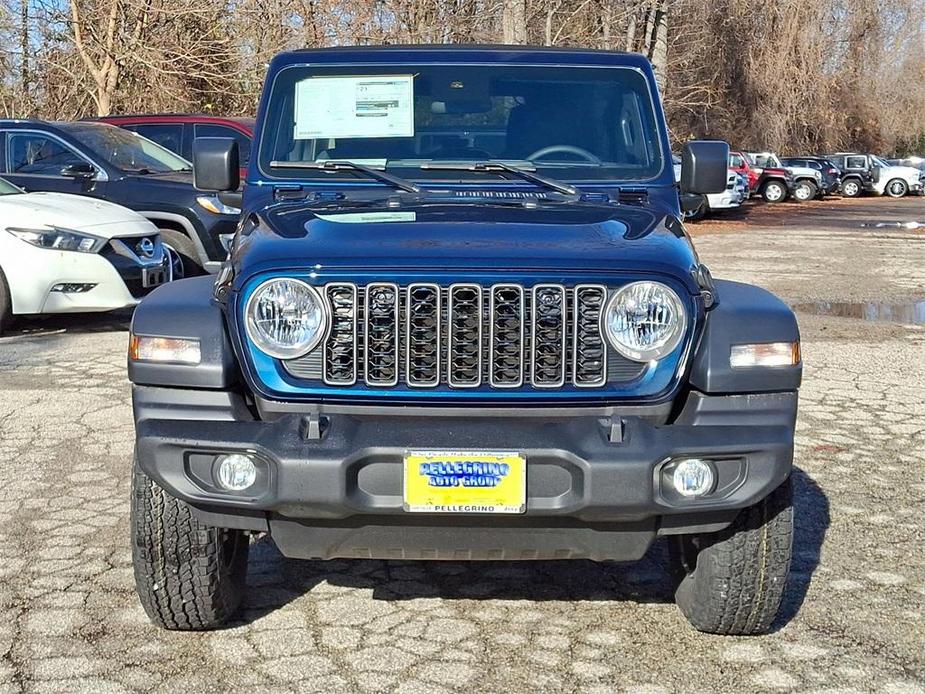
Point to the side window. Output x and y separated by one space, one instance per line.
31 153
211 130
735 161
167 135
856 162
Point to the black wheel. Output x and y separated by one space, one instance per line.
774 191
851 188
700 212
805 190
182 245
6 304
897 188
189 576
733 580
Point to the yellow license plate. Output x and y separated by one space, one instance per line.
465 482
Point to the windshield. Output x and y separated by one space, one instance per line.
126 150
7 188
878 161
579 124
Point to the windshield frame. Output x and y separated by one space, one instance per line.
76 130
664 174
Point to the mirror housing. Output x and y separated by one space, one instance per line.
704 167
216 164
79 170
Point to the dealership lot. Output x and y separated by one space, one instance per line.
853 618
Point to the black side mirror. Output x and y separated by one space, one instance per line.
79 170
216 164
704 167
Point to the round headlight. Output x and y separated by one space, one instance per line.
644 320
285 318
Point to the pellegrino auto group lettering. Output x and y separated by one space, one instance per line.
465 473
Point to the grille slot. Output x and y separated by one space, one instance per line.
422 333
589 366
340 347
548 328
465 336
381 311
506 344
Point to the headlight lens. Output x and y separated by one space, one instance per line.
59 239
644 320
216 206
285 318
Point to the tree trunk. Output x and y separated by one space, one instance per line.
659 52
514 21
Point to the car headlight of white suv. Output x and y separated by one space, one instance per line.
644 320
285 318
59 239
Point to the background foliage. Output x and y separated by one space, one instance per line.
785 75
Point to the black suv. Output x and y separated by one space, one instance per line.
831 174
107 162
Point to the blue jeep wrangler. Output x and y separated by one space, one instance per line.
462 320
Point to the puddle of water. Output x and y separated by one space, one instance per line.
912 312
894 225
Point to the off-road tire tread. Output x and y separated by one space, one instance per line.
741 572
185 579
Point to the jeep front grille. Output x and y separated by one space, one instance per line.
465 336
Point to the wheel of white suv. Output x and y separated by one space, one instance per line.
733 580
851 188
189 576
6 304
897 188
774 191
700 212
805 190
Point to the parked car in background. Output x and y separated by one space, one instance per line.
103 161
176 131
739 163
831 175
774 183
63 253
870 173
807 182
732 197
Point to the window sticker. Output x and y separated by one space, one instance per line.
354 107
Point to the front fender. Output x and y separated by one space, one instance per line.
745 314
185 309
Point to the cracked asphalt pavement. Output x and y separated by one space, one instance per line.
853 618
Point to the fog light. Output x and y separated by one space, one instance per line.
693 477
236 472
72 287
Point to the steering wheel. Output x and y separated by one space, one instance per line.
568 149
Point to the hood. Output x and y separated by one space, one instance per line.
461 237
907 172
77 212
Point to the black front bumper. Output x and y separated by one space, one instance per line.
331 480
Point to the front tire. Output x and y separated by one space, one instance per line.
896 188
697 214
189 576
774 191
805 190
733 580
851 188
6 304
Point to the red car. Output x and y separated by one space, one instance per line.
176 131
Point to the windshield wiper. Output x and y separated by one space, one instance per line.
501 167
335 165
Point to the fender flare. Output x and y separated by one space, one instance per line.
744 314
